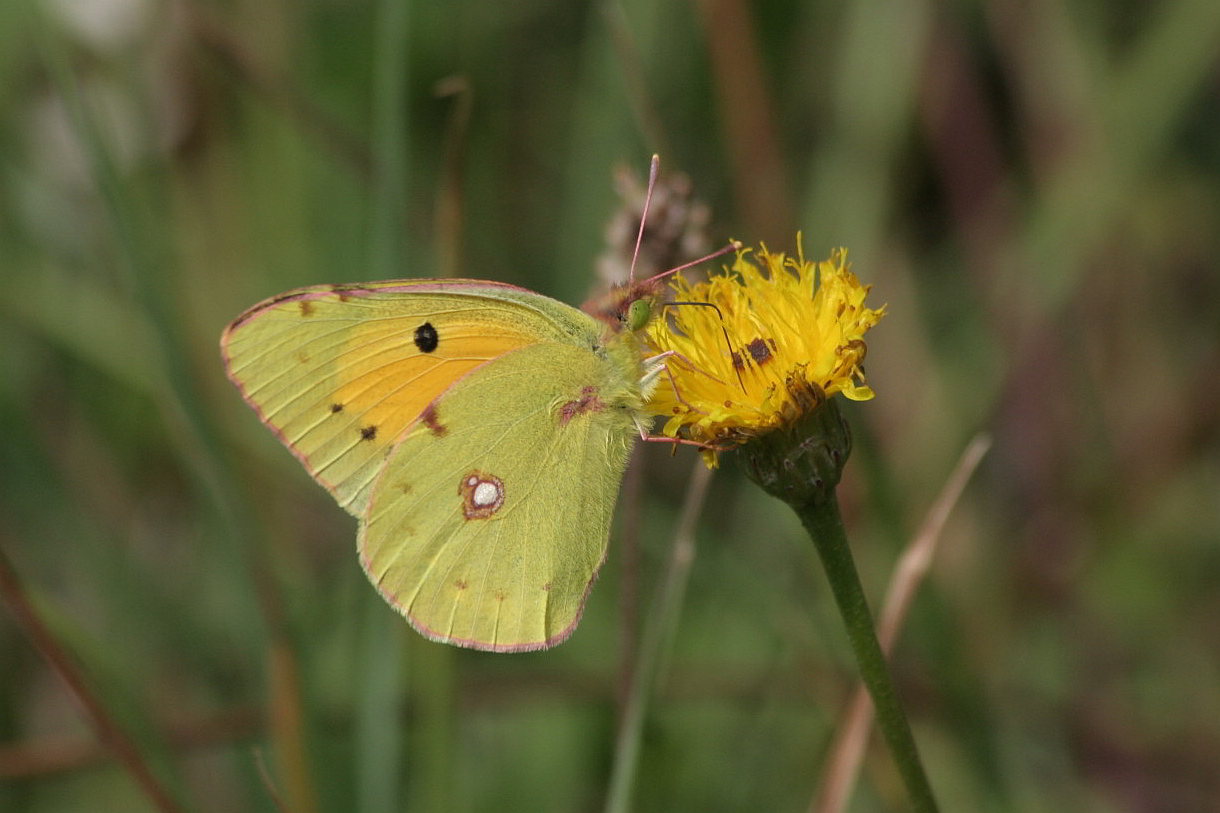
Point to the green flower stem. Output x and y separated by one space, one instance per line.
825 525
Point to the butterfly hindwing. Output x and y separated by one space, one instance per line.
339 372
492 514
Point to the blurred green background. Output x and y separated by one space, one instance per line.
1032 187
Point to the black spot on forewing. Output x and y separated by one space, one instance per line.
336 409
426 338
368 432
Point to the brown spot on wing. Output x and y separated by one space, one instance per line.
428 416
344 292
306 307
461 584
335 409
287 296
588 402
368 432
263 307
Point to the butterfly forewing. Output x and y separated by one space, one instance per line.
340 372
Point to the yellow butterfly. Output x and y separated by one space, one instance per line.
478 431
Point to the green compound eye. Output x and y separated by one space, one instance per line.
638 314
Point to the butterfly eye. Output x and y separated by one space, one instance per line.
638 314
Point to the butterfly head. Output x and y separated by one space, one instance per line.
627 307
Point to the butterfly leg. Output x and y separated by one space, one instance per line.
698 444
656 367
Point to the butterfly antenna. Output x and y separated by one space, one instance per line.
727 342
733 245
639 238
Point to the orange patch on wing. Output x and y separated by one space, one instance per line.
386 380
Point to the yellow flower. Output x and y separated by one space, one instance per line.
766 343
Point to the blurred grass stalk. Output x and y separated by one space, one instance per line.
656 644
142 260
1120 121
761 180
116 740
